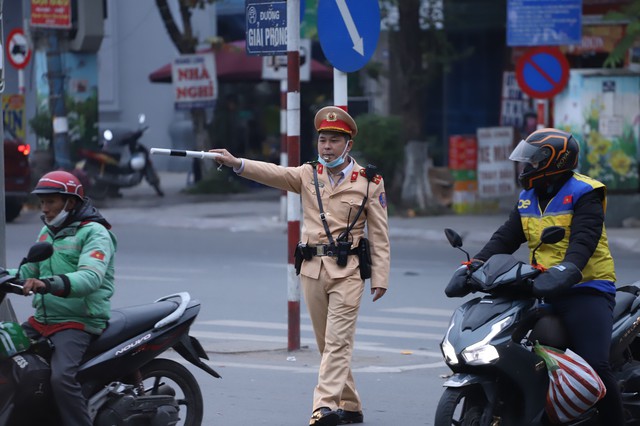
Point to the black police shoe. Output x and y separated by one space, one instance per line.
349 417
324 416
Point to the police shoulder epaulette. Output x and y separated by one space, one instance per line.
375 179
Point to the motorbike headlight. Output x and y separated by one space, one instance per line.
137 162
480 356
448 351
482 353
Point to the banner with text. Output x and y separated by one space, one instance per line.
496 173
194 81
51 13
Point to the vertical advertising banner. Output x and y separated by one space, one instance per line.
13 116
51 13
496 173
194 81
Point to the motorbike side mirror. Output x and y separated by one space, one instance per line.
552 235
37 253
108 135
455 240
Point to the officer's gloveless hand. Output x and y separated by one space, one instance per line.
556 279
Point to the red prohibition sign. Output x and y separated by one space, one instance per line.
542 72
18 50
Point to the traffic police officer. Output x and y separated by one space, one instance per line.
336 255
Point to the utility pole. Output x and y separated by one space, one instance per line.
3 218
62 156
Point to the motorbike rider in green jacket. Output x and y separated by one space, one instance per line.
77 282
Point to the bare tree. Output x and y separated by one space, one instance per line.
186 43
420 52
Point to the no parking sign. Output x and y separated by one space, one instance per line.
542 72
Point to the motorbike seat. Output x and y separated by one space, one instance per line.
549 330
624 300
126 323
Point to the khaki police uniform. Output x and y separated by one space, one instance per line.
332 292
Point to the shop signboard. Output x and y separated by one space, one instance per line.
600 109
194 81
51 13
496 173
544 22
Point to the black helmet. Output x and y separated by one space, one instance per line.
549 152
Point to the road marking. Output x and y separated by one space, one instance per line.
420 311
398 321
359 345
359 331
148 278
310 369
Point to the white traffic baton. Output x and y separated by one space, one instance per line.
184 153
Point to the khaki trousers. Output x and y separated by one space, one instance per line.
333 306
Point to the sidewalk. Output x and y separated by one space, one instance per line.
260 210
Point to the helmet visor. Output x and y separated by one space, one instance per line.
527 153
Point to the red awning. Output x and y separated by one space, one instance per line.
233 64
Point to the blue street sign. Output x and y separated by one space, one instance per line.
348 31
266 27
544 22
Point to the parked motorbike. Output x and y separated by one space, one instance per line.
498 379
121 163
121 375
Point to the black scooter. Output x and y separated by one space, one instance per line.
498 379
124 380
121 163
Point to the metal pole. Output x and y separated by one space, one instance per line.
340 97
3 217
283 143
293 152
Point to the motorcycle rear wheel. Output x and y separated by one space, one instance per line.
162 372
460 406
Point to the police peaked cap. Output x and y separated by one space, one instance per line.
335 119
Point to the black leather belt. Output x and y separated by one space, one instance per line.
325 250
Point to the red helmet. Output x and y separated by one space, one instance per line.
59 182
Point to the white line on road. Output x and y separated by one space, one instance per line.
420 311
398 321
148 278
310 369
359 345
359 331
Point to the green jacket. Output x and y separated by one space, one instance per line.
82 266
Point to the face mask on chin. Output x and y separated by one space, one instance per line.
57 221
335 163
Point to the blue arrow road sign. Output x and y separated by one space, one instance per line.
348 31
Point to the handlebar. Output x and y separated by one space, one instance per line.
16 286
